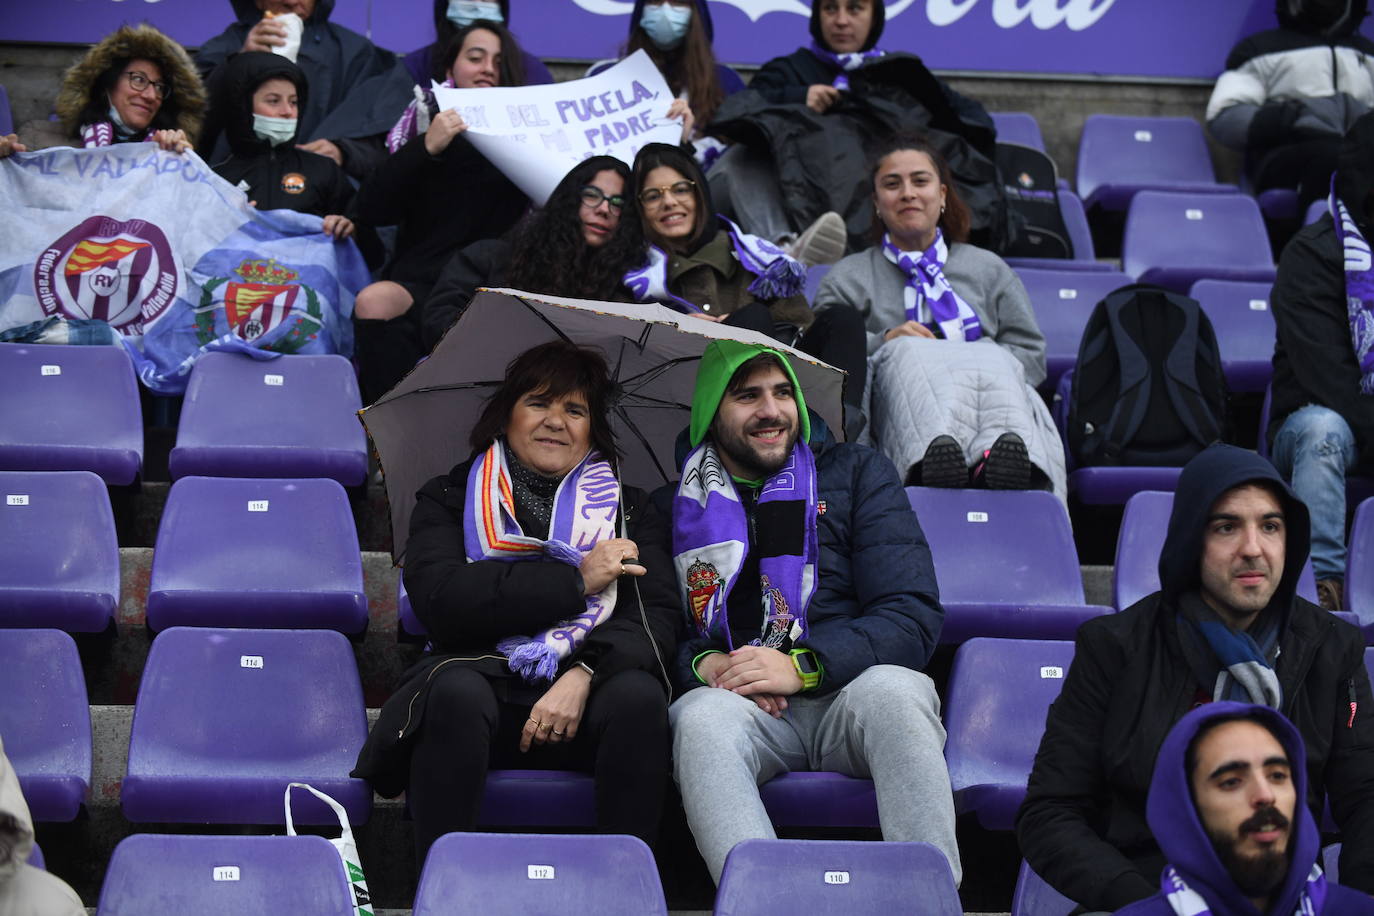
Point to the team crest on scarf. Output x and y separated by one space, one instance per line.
703 581
266 296
120 272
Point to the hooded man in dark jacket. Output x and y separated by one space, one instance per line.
813 608
1224 805
357 90
1226 625
1321 420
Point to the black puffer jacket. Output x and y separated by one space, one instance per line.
469 607
1082 825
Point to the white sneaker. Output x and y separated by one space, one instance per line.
822 242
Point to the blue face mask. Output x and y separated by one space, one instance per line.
665 24
463 13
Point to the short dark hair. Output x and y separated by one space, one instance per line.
747 369
557 368
956 220
1190 755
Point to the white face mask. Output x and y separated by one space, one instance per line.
275 131
463 13
665 24
120 127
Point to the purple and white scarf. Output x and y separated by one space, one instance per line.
1187 902
415 119
1359 289
776 273
585 508
102 133
929 297
844 62
711 540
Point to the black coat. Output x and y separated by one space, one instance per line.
479 264
1082 825
469 607
440 204
1314 359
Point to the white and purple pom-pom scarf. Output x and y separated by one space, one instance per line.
1185 901
102 133
844 62
929 297
415 119
776 273
1359 289
585 508
711 540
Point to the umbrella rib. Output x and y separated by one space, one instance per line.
649 375
642 441
544 318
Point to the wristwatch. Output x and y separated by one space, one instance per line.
808 668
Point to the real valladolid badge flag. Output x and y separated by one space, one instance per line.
171 256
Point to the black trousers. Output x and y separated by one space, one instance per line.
1306 165
622 741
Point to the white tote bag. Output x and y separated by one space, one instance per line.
348 850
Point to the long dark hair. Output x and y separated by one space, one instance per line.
875 26
512 69
656 155
956 219
549 253
556 369
691 65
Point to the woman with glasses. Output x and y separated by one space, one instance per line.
578 245
706 266
441 194
136 85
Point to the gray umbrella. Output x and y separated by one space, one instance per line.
420 428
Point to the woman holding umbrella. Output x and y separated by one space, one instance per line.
550 600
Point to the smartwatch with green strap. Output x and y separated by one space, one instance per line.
808 668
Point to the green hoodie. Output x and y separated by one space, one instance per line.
718 365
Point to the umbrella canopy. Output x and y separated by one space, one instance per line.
420 428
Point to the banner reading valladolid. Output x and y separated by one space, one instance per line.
535 134
171 256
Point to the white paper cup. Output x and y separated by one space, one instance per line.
294 27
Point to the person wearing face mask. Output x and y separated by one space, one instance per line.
134 86
579 244
357 89
442 195
677 35
450 16
263 94
1290 94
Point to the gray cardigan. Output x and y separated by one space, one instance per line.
876 287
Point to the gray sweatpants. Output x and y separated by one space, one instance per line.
884 725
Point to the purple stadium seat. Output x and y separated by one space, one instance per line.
1119 156
1240 315
814 275
1018 127
70 408
226 718
45 721
1143 527
820 799
59 551
406 620
1359 566
1080 238
516 874
36 858
301 875
257 553
1006 563
296 416
999 691
835 878
1278 203
1175 239
1033 897
1315 211
1063 300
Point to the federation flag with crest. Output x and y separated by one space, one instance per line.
171 256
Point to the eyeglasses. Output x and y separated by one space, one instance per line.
139 82
592 196
650 197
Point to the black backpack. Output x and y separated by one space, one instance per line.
1148 388
1032 188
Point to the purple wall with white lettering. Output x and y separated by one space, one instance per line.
1159 38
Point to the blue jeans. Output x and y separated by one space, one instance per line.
1313 449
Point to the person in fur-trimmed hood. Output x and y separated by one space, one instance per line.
135 85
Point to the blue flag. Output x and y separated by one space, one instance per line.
171 256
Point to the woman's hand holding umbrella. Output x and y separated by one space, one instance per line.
608 561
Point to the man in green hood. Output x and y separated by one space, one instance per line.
813 608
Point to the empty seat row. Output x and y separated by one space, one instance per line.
77 408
